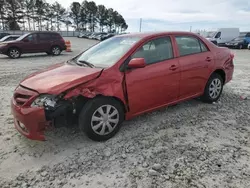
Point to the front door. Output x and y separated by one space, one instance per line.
156 84
195 61
30 44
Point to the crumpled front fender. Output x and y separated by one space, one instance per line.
108 84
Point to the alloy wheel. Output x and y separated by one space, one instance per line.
56 50
215 88
14 53
105 119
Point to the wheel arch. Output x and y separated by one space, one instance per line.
115 98
14 47
222 73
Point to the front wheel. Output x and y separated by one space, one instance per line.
56 50
14 53
213 89
101 118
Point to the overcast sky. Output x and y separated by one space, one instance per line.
180 14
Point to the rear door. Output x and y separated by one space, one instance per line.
156 84
44 42
196 62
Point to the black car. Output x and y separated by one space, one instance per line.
107 36
3 35
239 43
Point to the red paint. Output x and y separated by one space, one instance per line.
147 88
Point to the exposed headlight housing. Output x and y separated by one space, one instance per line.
41 100
236 43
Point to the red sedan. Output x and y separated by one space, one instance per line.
119 79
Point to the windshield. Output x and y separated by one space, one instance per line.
107 53
23 36
239 38
211 34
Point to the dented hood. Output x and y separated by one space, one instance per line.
59 78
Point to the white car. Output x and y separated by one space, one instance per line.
248 47
9 38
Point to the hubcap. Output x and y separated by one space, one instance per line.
104 119
14 53
56 50
215 88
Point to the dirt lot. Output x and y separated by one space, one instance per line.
189 145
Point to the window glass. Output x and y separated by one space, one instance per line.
188 45
44 37
203 47
218 35
10 39
31 38
248 35
156 50
55 36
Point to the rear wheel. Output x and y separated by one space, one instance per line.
101 117
240 46
56 50
213 89
14 53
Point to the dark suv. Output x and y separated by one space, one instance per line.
50 42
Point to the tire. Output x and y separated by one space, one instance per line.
14 53
55 50
240 46
95 129
212 95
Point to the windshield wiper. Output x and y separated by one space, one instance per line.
81 62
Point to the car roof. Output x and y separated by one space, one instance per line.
44 32
155 34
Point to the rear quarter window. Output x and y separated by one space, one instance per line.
56 36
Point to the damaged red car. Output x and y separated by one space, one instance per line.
118 79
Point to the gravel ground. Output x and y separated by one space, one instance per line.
189 145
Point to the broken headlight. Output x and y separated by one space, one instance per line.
45 99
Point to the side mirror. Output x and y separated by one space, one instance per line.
137 63
25 40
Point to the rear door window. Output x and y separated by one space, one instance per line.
188 45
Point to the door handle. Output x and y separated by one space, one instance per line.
173 67
208 59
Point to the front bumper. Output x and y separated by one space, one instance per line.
3 50
29 121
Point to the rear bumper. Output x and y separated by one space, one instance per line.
29 121
64 47
229 70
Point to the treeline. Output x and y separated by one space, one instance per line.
41 15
